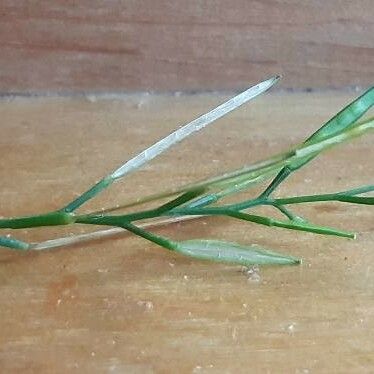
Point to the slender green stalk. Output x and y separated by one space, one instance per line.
163 242
267 221
326 197
47 219
290 215
89 194
358 190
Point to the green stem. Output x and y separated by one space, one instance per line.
290 215
89 194
116 220
327 197
6 241
358 190
163 242
48 219
293 225
281 176
180 200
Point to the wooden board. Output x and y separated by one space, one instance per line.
121 45
125 306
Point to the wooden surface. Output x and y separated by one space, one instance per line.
123 45
126 306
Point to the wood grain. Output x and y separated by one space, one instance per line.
124 45
126 306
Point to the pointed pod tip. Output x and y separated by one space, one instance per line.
289 260
349 235
273 79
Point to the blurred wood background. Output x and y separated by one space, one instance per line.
119 45
126 306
